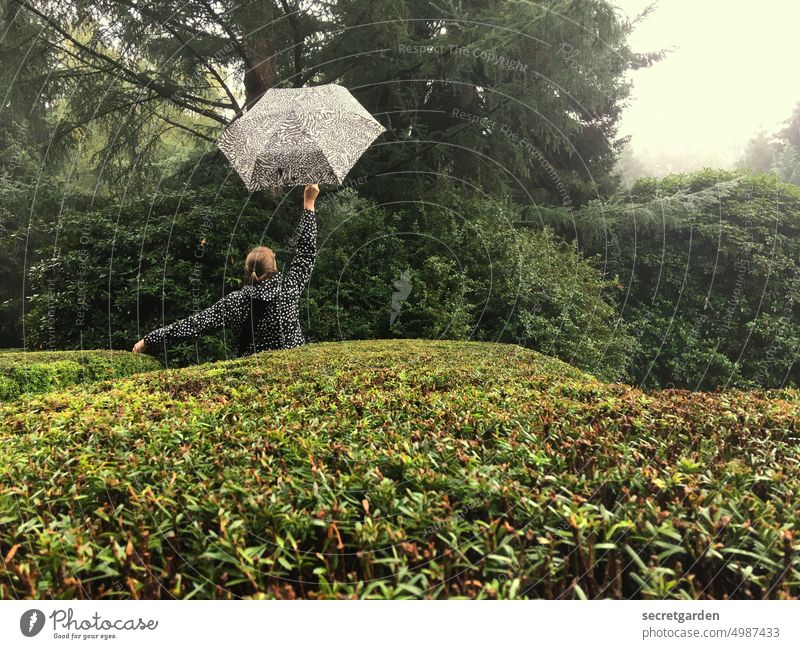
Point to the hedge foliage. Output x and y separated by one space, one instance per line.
710 262
398 469
473 272
36 372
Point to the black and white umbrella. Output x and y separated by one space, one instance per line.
297 136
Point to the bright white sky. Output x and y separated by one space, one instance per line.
734 71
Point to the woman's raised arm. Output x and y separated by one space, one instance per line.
306 251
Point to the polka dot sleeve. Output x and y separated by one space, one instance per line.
230 311
303 262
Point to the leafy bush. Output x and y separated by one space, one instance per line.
127 268
710 262
36 372
398 469
473 272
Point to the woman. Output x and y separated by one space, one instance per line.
263 313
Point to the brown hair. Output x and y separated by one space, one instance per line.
259 264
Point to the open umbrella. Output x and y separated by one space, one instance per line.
297 136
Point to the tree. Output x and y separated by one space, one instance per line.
521 97
791 131
760 154
141 68
549 76
29 190
787 165
629 166
778 153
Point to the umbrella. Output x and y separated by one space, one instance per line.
297 136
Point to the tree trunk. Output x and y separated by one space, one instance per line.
258 42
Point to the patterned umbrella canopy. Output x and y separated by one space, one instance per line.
297 136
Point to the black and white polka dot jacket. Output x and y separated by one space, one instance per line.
262 316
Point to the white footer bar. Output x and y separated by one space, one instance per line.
355 624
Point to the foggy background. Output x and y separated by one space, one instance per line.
732 74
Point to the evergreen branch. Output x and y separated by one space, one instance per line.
184 127
226 28
135 77
75 125
437 143
203 61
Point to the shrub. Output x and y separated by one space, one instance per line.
710 262
124 269
392 469
36 372
473 272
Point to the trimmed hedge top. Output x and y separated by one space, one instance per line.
398 469
36 372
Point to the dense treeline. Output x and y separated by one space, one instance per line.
690 281
489 210
468 272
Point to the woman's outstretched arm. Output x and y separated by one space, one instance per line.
230 311
306 251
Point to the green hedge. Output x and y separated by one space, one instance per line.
710 262
36 372
398 469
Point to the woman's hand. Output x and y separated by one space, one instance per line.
310 195
138 348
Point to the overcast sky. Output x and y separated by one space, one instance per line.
735 70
